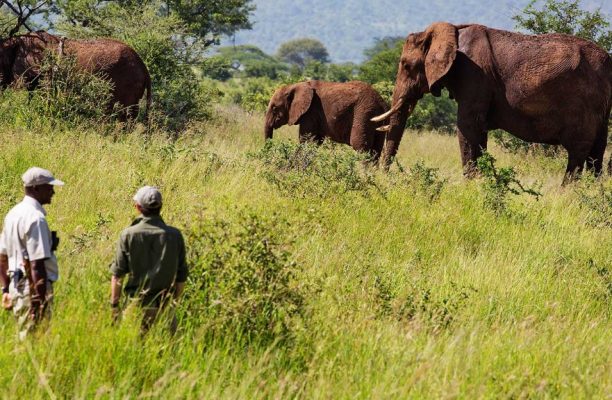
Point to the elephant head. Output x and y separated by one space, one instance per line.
426 58
287 106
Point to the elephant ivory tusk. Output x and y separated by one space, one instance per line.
393 110
385 128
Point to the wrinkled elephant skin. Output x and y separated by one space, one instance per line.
552 88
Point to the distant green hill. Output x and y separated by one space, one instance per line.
347 27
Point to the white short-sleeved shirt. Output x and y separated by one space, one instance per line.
26 233
2 246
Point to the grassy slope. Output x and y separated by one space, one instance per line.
515 307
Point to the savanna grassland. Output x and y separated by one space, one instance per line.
316 276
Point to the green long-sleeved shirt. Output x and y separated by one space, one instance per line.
153 255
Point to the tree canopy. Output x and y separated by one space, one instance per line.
382 60
566 16
301 51
204 21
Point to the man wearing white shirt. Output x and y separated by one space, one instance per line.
29 245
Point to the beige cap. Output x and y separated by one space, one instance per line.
148 197
36 176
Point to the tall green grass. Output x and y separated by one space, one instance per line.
400 294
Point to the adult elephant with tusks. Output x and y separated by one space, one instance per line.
338 111
552 88
21 57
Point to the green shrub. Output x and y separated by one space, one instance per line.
435 311
242 282
256 94
307 169
430 113
65 94
514 145
596 198
499 183
421 180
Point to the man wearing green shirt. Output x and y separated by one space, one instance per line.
152 254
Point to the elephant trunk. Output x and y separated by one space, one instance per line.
268 129
395 131
268 132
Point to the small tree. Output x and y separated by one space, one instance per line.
382 60
566 16
301 51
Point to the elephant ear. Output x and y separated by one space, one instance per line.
300 99
442 40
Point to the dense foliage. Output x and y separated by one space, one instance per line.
566 16
242 61
301 51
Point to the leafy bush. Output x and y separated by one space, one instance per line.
597 200
307 169
417 304
436 311
256 93
514 145
421 180
242 282
434 113
499 183
64 93
430 113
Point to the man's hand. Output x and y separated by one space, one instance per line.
116 284
4 282
7 302
115 314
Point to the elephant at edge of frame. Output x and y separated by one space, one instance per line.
21 57
551 88
341 112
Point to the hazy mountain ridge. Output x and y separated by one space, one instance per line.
347 27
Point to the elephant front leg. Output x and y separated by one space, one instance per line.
472 143
309 134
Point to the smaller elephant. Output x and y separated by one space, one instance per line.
339 111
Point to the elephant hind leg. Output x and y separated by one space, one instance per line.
594 162
377 146
577 154
367 140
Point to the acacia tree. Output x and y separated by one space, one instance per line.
300 51
566 16
202 21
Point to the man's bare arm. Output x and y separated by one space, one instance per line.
39 282
4 278
4 281
116 285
